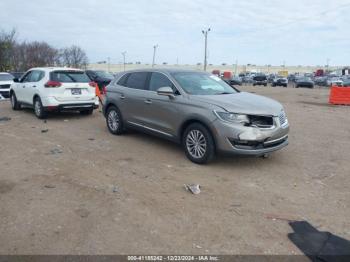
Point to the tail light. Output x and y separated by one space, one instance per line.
53 84
92 84
104 90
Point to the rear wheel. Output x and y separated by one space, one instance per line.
198 144
39 109
14 103
114 120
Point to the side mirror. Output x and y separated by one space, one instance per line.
165 91
16 80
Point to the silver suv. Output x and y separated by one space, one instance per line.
196 109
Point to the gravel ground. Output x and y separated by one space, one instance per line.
76 189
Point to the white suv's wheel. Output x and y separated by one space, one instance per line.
14 103
39 109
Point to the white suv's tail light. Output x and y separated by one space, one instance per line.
53 84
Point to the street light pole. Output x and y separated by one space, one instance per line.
154 54
124 53
205 33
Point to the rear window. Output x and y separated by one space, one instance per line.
69 77
6 77
137 80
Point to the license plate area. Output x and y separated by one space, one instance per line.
76 91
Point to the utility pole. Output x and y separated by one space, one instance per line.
124 53
154 54
205 33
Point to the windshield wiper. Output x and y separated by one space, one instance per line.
224 93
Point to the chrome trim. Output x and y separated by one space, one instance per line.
276 140
151 129
76 106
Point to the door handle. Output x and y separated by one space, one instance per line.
148 101
23 86
33 86
122 96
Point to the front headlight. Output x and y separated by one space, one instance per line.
232 117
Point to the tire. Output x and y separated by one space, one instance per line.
87 112
14 103
198 144
39 110
114 121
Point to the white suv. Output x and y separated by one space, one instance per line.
54 89
6 80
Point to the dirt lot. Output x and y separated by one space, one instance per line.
57 188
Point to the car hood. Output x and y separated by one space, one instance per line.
244 103
6 82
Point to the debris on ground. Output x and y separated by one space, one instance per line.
193 188
45 121
56 151
65 120
44 130
82 212
5 118
115 189
282 218
197 246
91 139
50 186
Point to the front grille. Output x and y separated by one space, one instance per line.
5 86
282 118
261 121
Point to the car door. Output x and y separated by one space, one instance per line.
20 89
161 111
133 98
32 85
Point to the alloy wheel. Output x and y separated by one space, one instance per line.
196 144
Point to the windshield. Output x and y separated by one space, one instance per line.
69 77
197 83
104 74
6 77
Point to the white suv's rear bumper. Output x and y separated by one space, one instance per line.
53 102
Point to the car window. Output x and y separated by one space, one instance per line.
36 76
69 77
137 80
122 80
159 80
196 83
26 77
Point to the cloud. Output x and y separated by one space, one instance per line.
259 32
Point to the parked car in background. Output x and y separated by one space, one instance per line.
100 77
334 81
346 81
17 75
234 81
304 82
260 79
6 80
280 81
54 89
196 109
321 80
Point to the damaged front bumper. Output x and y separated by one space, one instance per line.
247 140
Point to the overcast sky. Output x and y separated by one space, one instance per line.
299 32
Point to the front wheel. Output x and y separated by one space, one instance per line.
14 103
198 144
39 109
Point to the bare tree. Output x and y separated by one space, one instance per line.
7 41
73 56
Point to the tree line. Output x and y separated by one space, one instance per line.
21 56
